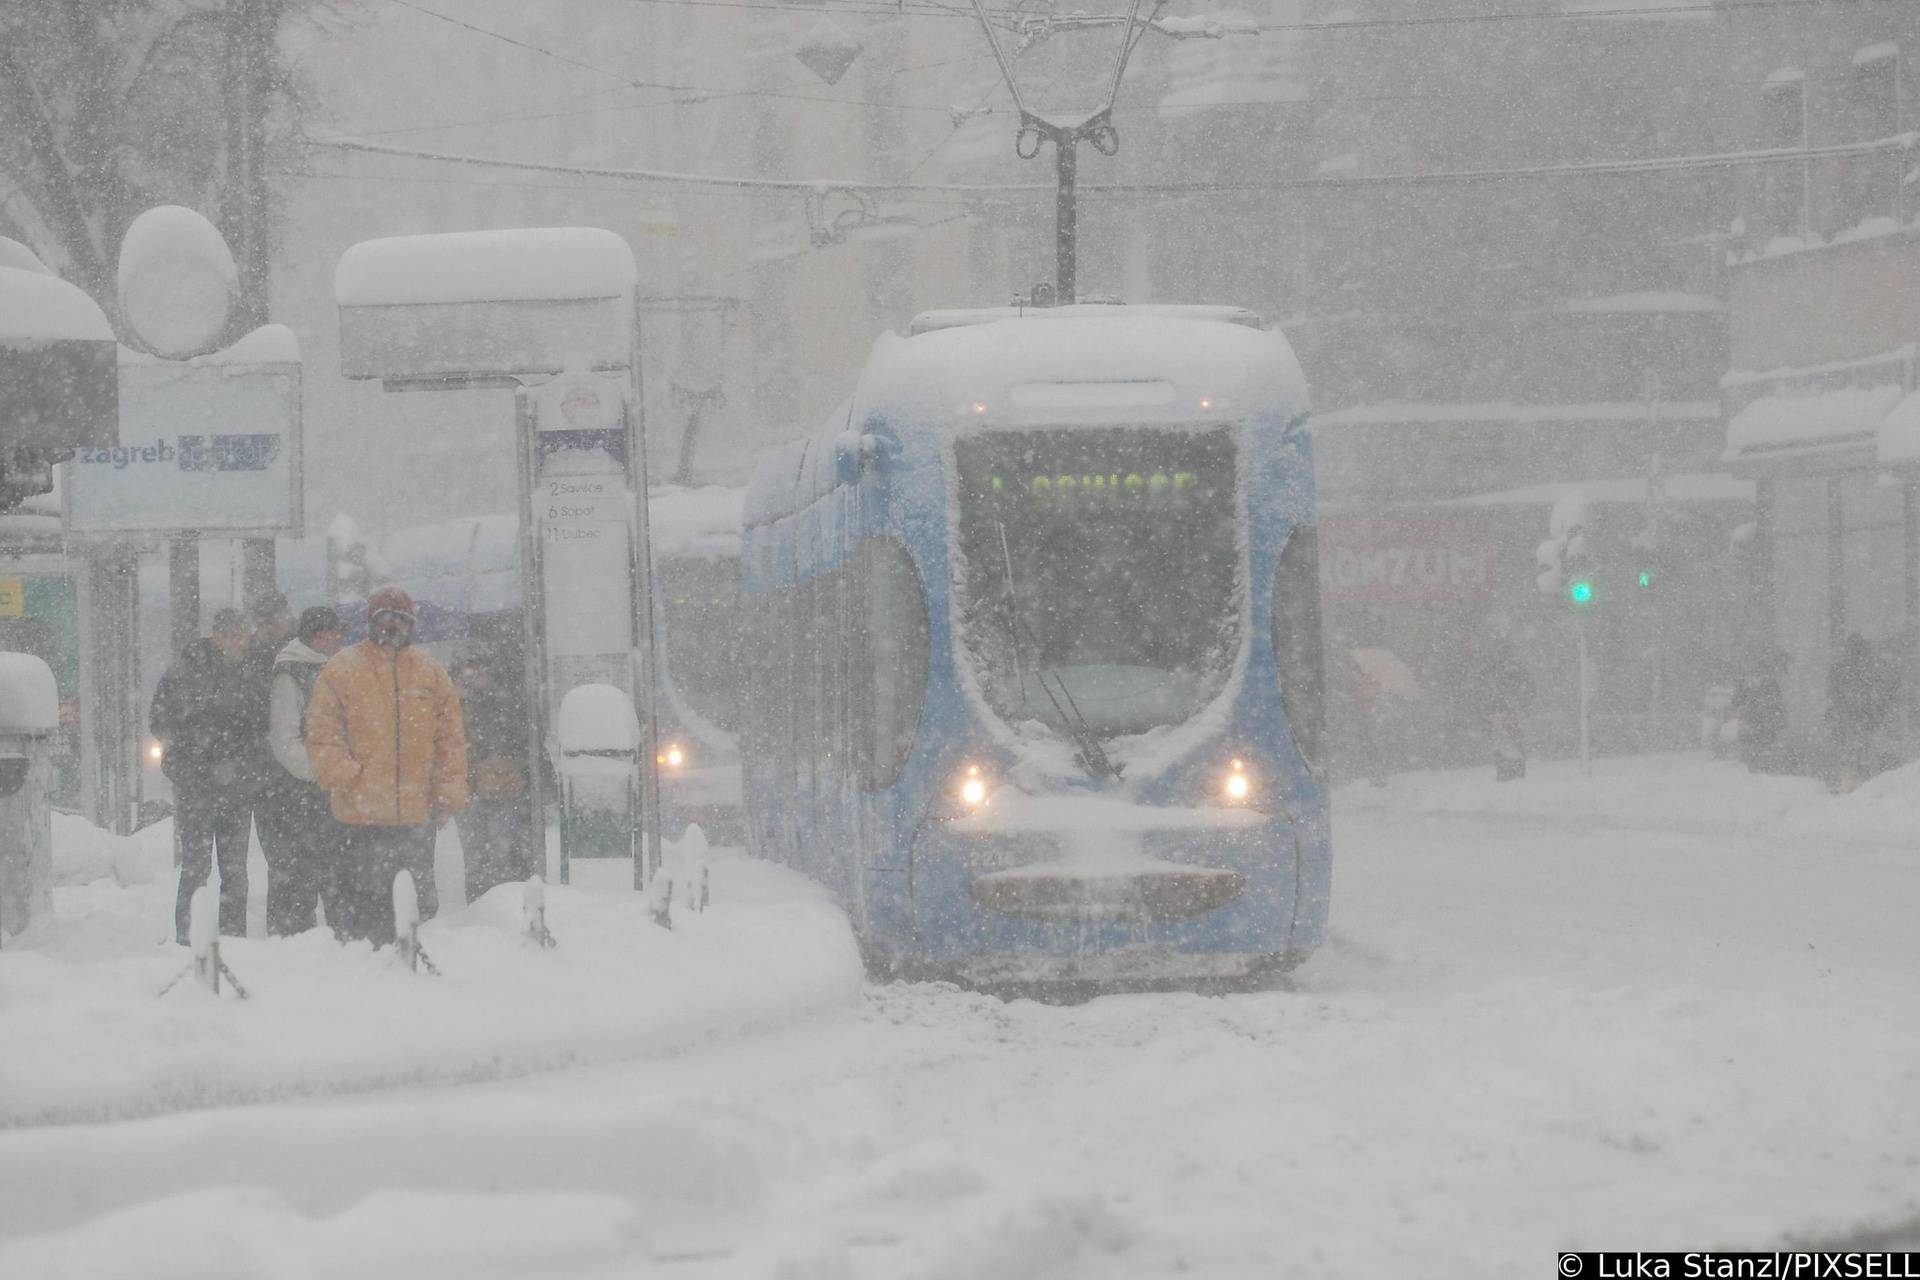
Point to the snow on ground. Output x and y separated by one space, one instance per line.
1670 793
1662 1008
89 1037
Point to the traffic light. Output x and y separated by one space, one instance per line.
1579 568
1646 578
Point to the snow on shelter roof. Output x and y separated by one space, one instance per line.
531 264
929 321
43 308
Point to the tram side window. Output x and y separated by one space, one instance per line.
770 691
832 676
1296 643
895 631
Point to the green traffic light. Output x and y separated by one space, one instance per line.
1580 591
1646 577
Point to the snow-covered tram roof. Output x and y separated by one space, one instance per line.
1083 363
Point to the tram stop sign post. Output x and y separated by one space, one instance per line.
549 313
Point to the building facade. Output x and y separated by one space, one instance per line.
1823 260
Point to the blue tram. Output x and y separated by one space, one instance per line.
1033 650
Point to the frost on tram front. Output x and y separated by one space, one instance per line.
1114 775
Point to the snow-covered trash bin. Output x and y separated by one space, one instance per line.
29 719
598 760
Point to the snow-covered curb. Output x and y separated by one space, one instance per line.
89 1038
1687 792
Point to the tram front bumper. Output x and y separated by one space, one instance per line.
1084 859
1064 891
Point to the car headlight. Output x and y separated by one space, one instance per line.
1237 784
156 751
673 756
973 788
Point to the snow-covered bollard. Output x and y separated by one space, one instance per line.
406 923
690 867
203 940
203 937
533 912
660 898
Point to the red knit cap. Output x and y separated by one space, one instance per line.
390 600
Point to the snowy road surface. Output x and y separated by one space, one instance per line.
1533 1032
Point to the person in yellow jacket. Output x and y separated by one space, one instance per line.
386 738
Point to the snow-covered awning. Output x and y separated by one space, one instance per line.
1849 414
1687 487
1417 413
1640 9
1898 443
1797 413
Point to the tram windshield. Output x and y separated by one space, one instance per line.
1100 588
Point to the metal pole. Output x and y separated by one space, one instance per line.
259 569
1066 228
645 695
1910 545
1586 698
109 734
683 474
1836 567
533 659
183 591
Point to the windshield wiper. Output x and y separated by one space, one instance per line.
1093 757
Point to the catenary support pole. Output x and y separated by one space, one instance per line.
647 670
1065 219
532 640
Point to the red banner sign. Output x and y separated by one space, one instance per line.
1378 560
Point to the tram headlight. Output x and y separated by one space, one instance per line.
673 756
1237 784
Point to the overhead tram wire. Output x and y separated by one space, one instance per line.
930 8
1597 168
701 94
609 188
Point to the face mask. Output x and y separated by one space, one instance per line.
393 635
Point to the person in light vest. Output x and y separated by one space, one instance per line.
298 835
387 741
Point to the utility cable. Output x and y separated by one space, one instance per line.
1650 165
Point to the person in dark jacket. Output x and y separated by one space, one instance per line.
1857 700
494 826
297 831
208 723
1506 690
